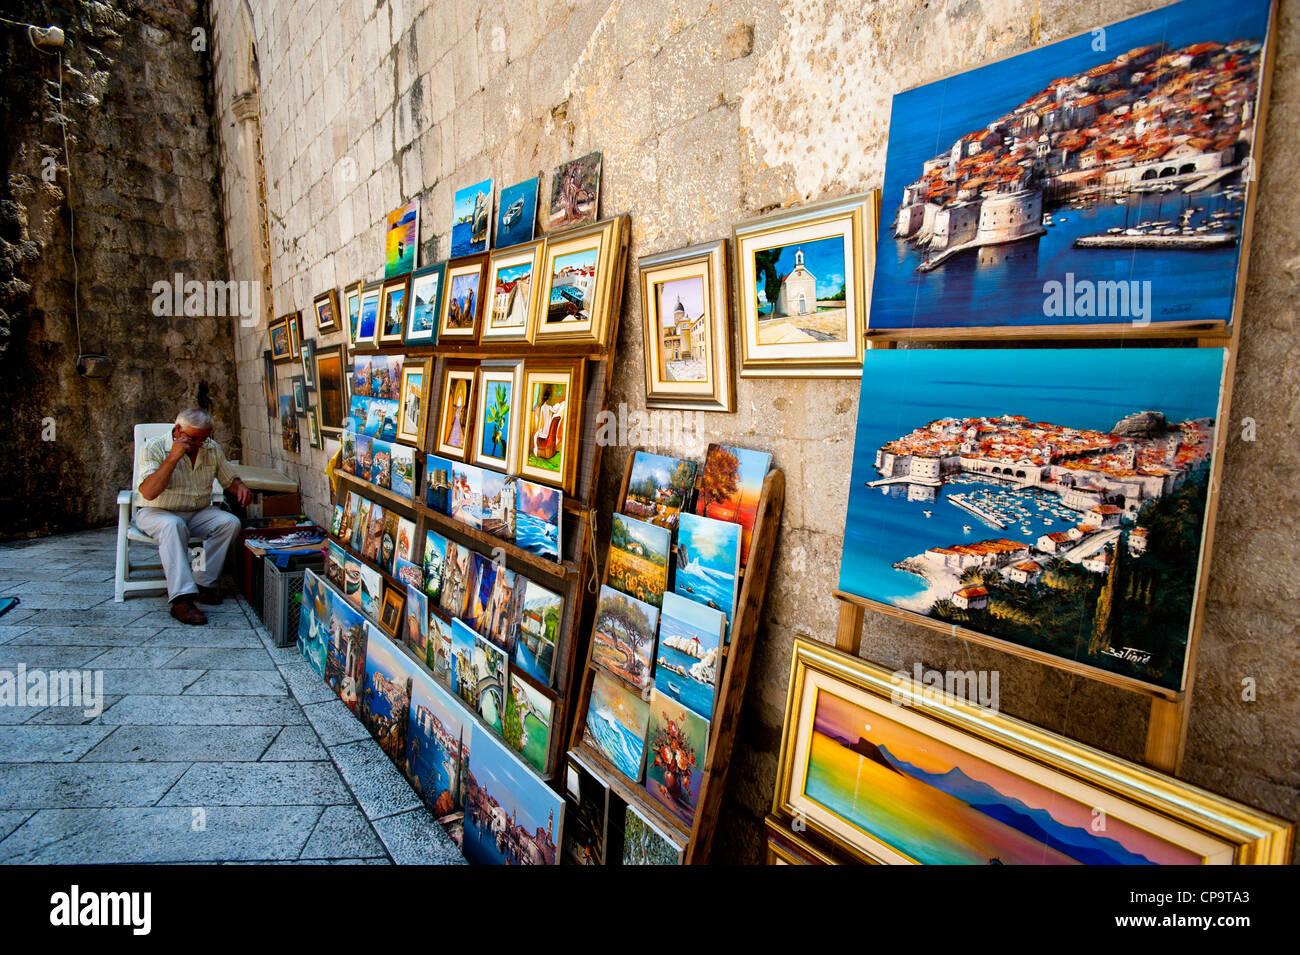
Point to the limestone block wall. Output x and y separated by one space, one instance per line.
708 113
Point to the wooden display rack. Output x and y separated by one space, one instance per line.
738 653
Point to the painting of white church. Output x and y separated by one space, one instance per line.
800 292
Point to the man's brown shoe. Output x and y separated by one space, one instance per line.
184 610
209 595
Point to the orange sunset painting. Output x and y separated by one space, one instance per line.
939 805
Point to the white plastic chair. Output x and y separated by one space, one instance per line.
132 577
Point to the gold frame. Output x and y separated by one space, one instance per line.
287 354
390 287
512 371
412 368
852 218
293 321
455 269
513 255
1217 829
393 597
708 262
331 298
572 373
350 292
456 371
606 237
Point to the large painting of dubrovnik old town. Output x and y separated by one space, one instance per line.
1101 181
1054 499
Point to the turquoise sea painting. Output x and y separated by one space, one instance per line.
707 561
688 664
616 724
437 746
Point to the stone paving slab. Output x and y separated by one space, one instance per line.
343 833
49 744
61 601
135 744
85 785
335 723
209 636
90 618
295 743
72 715
128 682
11 819
415 838
305 683
204 711
52 657
259 784
162 834
91 635
7 633
132 658
378 786
220 658
237 683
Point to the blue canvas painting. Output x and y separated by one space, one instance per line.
517 215
511 816
386 694
438 739
313 621
687 661
707 561
472 219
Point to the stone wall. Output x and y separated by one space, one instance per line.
708 114
144 195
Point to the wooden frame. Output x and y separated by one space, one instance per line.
502 372
313 429
328 303
461 269
849 223
308 357
394 599
294 320
1149 815
494 311
281 341
396 296
298 389
455 373
370 295
785 846
599 244
325 359
352 311
707 265
551 373
431 275
410 369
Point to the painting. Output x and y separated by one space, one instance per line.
392 310
482 579
435 553
467 494
314 621
511 816
455 419
527 724
269 387
380 416
364 446
491 678
512 282
313 429
412 403
729 486
290 440
386 695
497 510
894 772
1084 187
537 629
352 309
408 573
616 724
402 472
326 306
281 350
676 745
496 444
688 662
585 815
381 461
686 328
802 279
472 219
334 563
345 663
548 424
402 239
1052 500
293 321
331 396
368 315
644 843
437 749
538 519
708 562
416 632
404 548
638 558
658 488
371 593
623 636
437 484
575 192
440 654
455 579
577 283
427 286
517 213
299 394
463 682
308 357
360 525
505 609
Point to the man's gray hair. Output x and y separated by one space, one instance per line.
195 417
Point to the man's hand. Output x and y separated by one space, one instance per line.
242 494
183 444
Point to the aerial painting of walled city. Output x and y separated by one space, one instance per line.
1054 498
1120 156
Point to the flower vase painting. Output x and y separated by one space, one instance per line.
675 748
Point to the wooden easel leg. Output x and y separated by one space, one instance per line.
1166 735
848 635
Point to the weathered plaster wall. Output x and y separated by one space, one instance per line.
144 193
707 114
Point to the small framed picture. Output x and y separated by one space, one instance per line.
299 395
512 282
281 350
496 392
463 303
413 402
313 429
427 286
326 305
331 392
295 333
687 328
309 363
352 309
578 283
368 316
548 422
390 617
392 311
455 418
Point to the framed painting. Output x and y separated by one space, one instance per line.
471 228
309 363
517 215
551 412
413 403
281 349
401 239
269 388
1102 185
496 445
331 392
512 282
368 316
426 304
390 617
897 772
313 429
326 306
802 278
392 310
294 323
463 303
575 193
1053 503
455 411
299 395
578 283
352 309
686 326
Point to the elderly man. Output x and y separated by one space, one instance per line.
175 491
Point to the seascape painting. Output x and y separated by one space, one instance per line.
708 562
401 240
537 519
386 694
472 220
517 216
511 816
688 661
437 748
616 724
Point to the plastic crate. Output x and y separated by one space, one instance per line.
282 600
